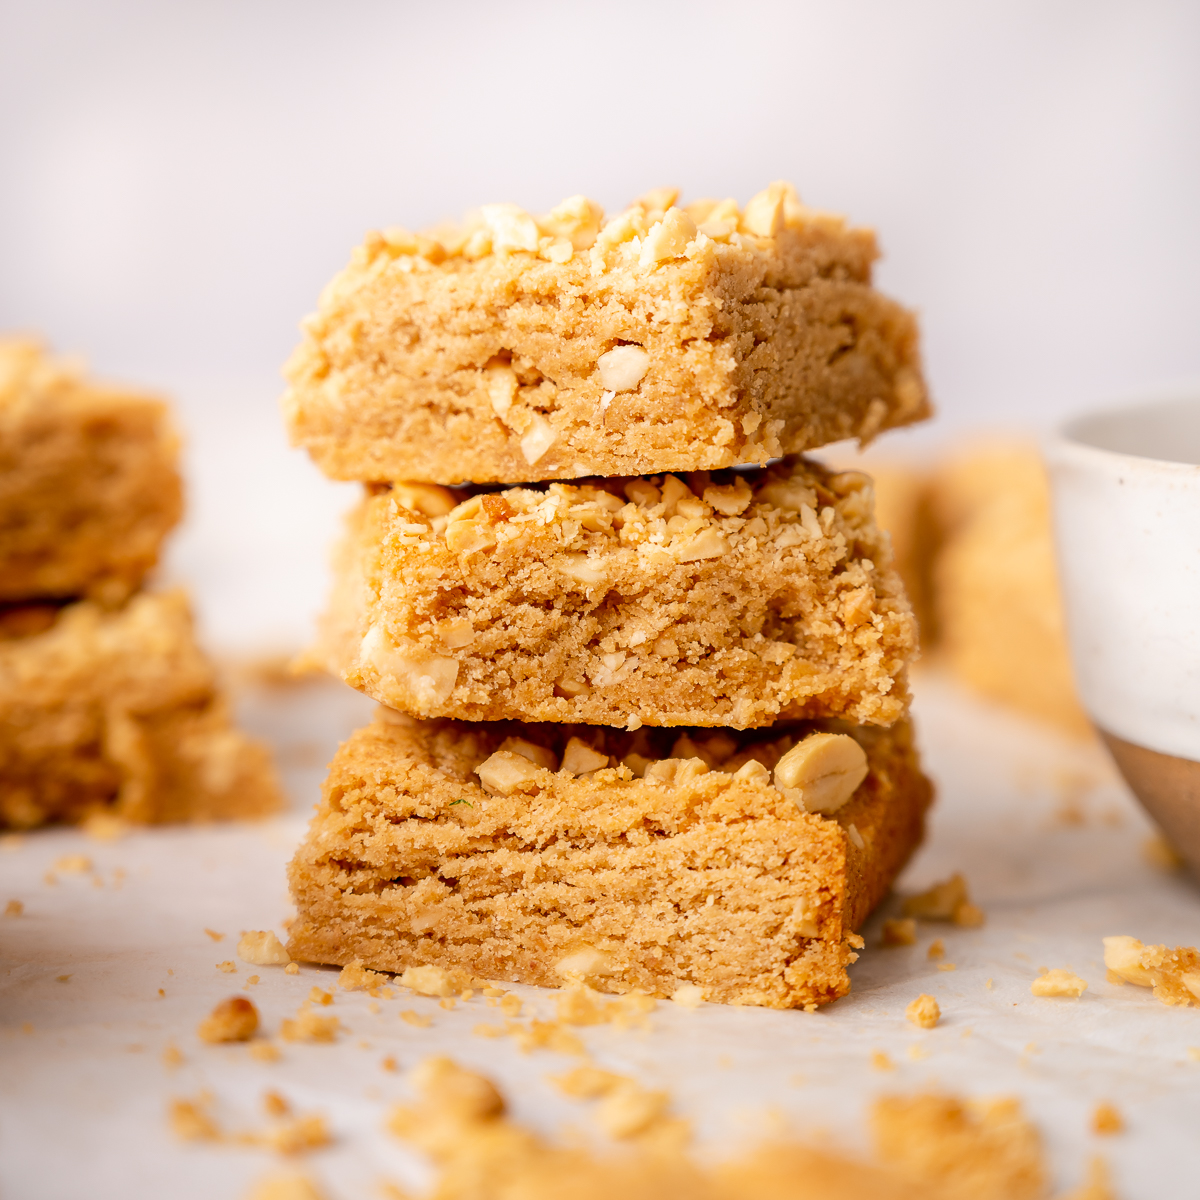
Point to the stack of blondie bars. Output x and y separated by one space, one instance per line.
107 704
644 713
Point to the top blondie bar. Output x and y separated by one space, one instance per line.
516 348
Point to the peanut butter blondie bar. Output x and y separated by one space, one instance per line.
118 711
89 483
999 611
730 599
541 852
668 338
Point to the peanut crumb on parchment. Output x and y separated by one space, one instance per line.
924 1011
1106 1119
1174 975
233 1020
1058 982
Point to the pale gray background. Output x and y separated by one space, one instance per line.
177 181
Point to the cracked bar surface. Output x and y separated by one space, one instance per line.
513 348
678 862
737 600
89 483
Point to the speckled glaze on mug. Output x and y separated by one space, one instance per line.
1126 486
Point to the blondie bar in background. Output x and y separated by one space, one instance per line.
972 539
107 703
89 480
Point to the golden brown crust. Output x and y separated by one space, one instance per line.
714 878
118 711
736 602
433 365
89 483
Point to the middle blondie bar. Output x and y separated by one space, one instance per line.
731 599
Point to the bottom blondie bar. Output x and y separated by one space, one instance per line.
118 711
538 853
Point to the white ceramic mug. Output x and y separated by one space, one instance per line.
1126 486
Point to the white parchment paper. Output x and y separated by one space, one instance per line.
1048 838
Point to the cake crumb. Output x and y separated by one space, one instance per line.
937 949
510 1004
172 1056
579 1004
688 995
1193 1053
292 969
262 948
1159 852
374 1008
389 1063
586 1083
73 864
927 1144
537 1035
285 1187
228 967
317 995
233 1020
26 1027
14 908
449 1003
355 977
1106 1119
628 1109
1173 974
251 980
881 1062
275 1105
947 966
899 931
308 1026
264 1051
105 827
61 978
216 937
191 1121
924 1011
1058 982
297 1136
415 1019
946 901
982 1149
988 984
433 981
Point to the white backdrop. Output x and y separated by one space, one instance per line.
179 180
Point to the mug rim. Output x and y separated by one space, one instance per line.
1073 433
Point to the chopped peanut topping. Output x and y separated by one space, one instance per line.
262 948
822 772
1058 982
1173 974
